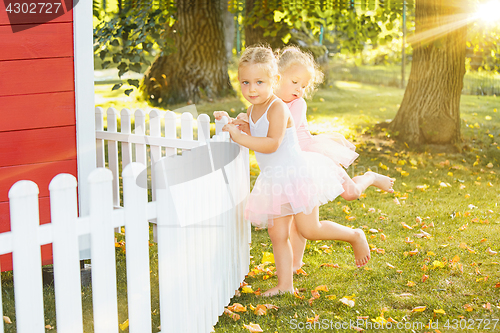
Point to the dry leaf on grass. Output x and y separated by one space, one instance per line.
260 310
406 226
346 300
237 307
321 288
232 315
491 252
247 290
253 328
313 320
330 265
419 309
267 258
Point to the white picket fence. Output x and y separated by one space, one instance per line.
199 266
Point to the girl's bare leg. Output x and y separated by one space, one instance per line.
312 228
357 185
298 246
282 249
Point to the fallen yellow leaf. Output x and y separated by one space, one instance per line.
406 226
491 252
411 284
232 315
124 325
271 306
313 320
267 257
296 294
419 309
330 265
347 301
321 288
260 310
439 311
253 328
237 307
7 320
247 290
436 264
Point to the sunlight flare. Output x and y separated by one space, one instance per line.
488 12
449 24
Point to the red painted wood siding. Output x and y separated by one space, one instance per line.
37 106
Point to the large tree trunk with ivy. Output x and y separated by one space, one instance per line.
430 110
198 67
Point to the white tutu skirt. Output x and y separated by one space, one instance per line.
334 146
296 186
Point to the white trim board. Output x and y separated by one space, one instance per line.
84 105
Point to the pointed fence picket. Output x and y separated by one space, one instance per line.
200 265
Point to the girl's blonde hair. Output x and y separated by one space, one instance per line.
292 55
260 55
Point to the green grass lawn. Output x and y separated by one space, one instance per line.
449 272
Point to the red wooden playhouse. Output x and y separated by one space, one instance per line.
46 105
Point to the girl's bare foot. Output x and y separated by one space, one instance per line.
276 290
361 248
382 182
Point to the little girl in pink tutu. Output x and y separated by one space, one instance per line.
299 76
292 183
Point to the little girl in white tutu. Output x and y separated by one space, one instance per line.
292 183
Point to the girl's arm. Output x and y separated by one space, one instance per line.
298 110
278 119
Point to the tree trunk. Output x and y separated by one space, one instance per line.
430 110
198 67
229 30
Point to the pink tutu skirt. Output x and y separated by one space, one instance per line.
296 186
334 146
